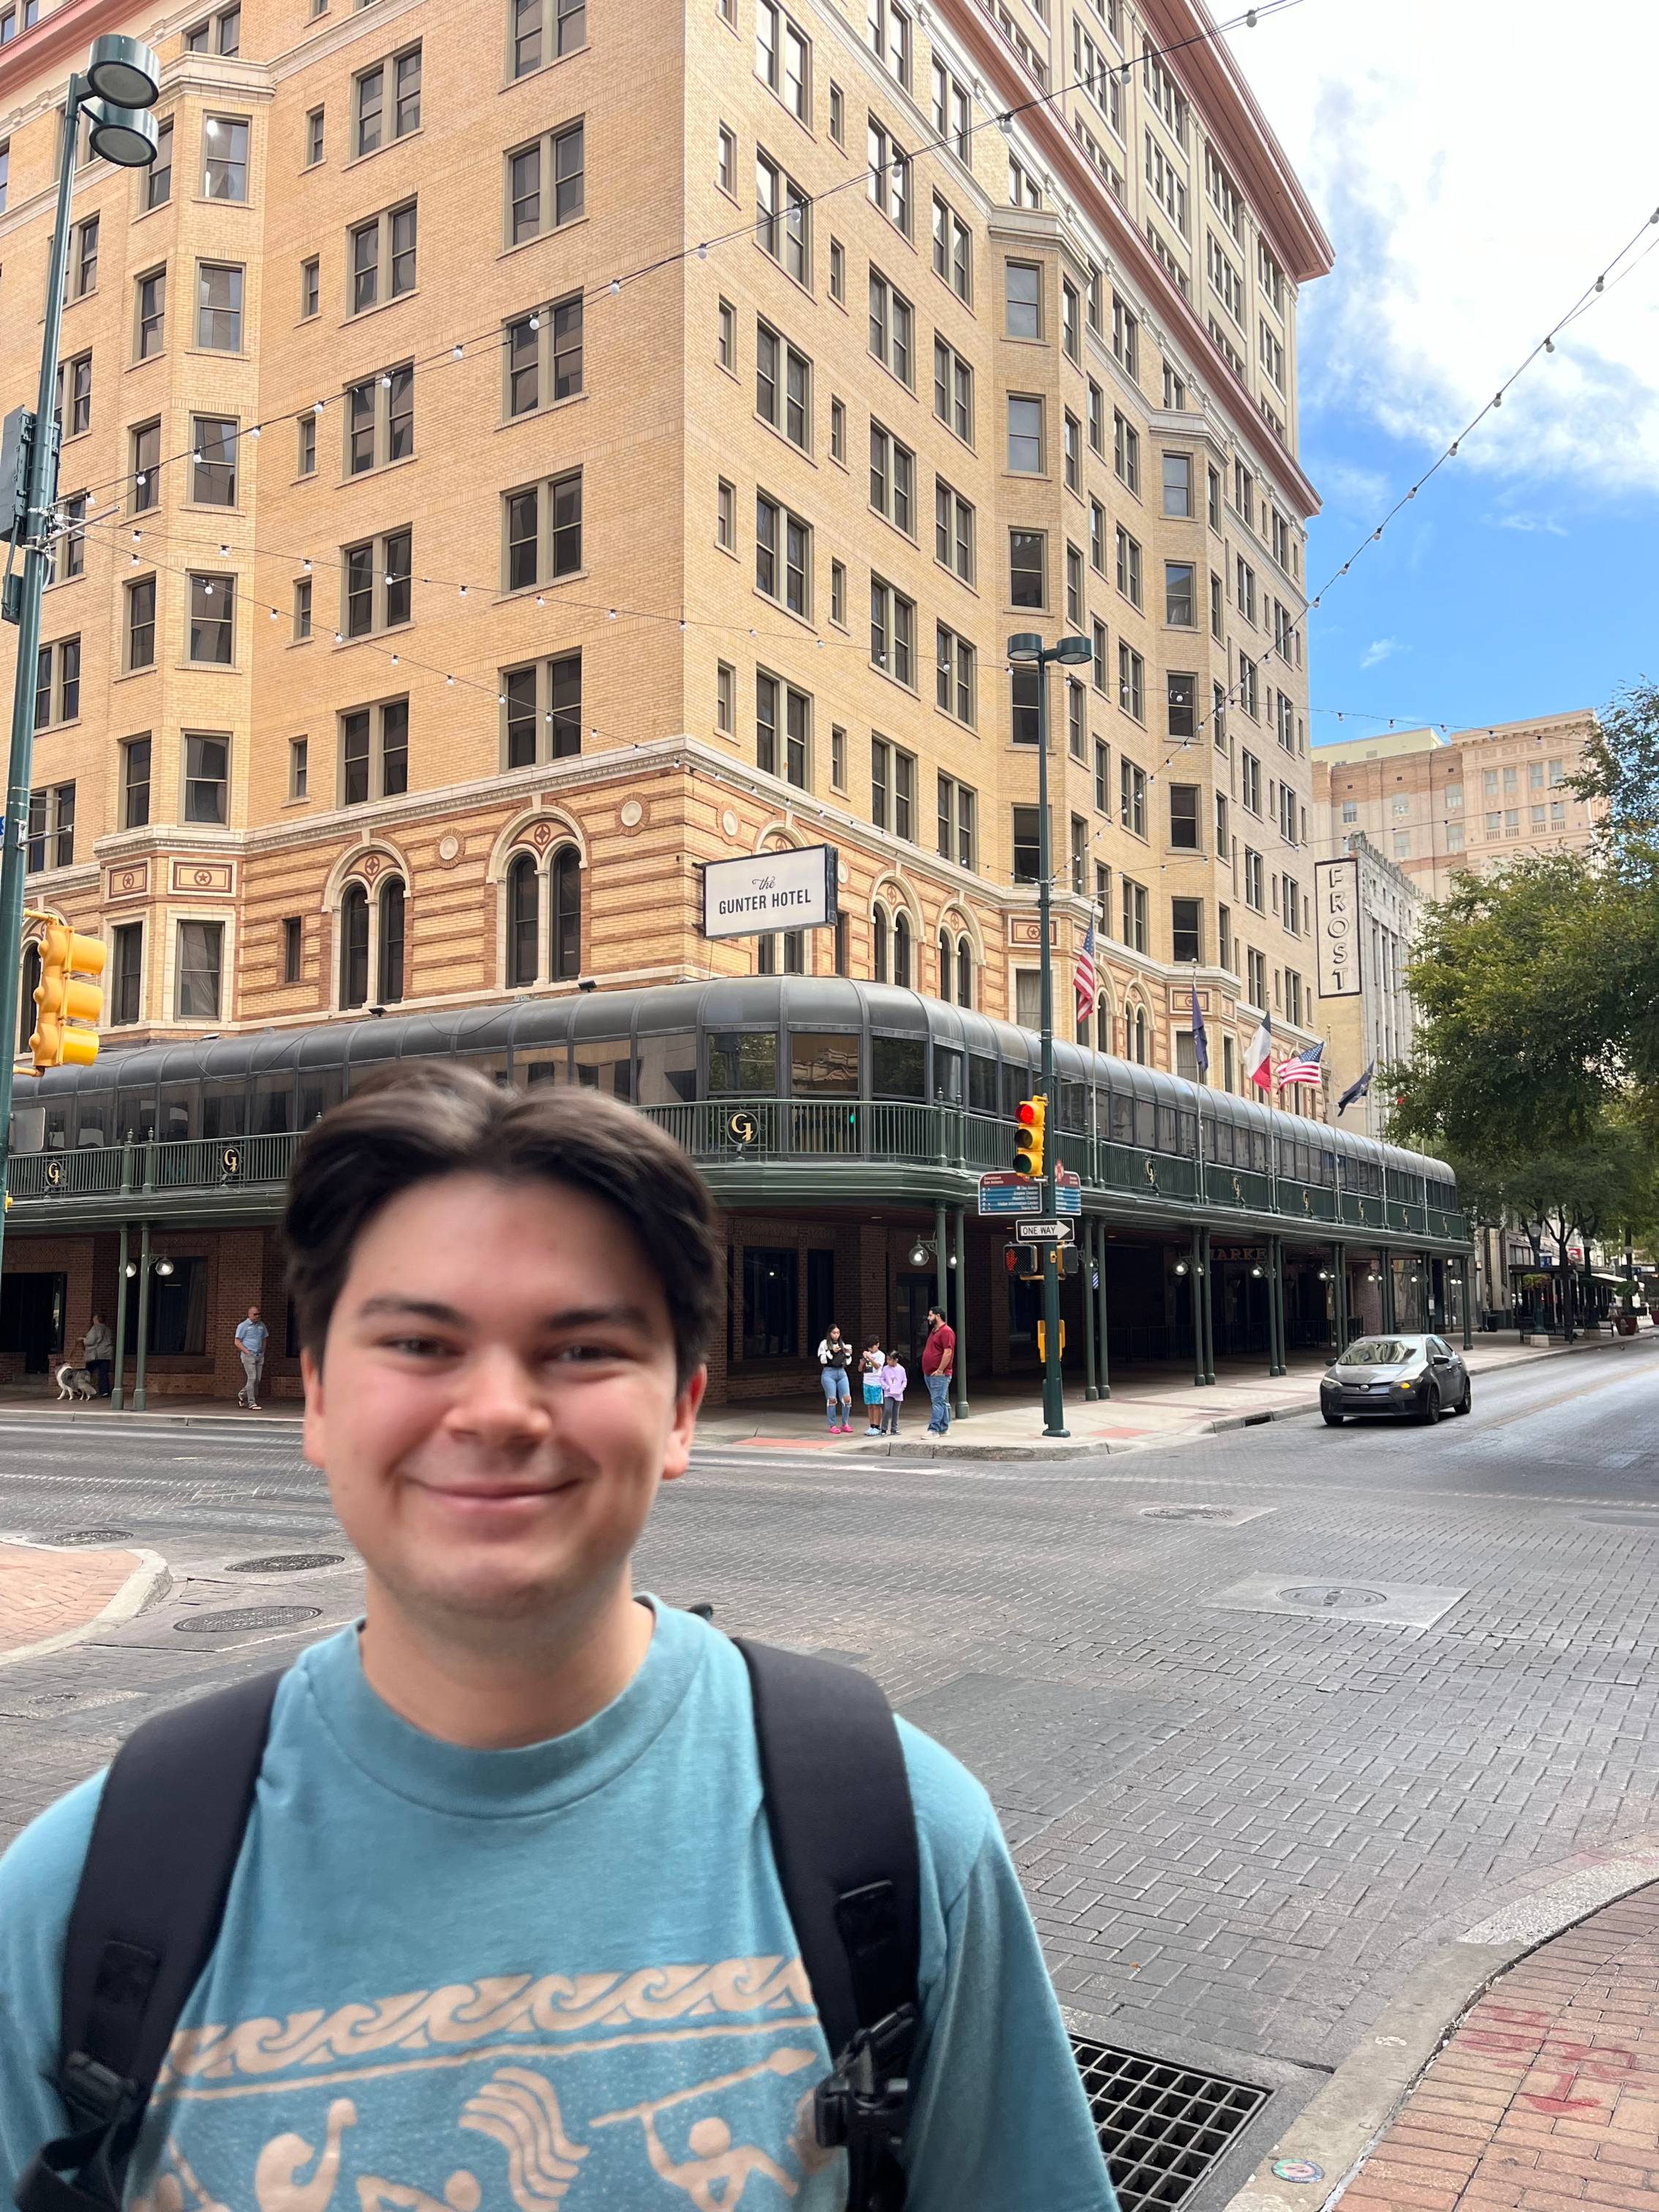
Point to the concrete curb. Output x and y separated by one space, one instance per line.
149 1418
1337 2130
148 1577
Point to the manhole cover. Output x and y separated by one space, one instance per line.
247 1616
287 1563
1161 2127
93 1536
1648 1520
1335 1598
1186 1513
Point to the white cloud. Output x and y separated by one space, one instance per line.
1442 147
1380 648
1527 522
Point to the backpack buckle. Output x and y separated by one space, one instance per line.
861 2102
96 2096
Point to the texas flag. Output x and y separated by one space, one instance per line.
1258 1055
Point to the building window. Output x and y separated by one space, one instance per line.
66 551
1028 569
892 631
207 779
145 449
955 676
292 939
1076 720
953 391
141 622
1177 484
1180 583
74 395
887 27
783 386
953 531
783 556
128 972
1024 436
374 583
218 306
134 783
1073 453
1134 915
541 30
1026 847
1183 817
1181 695
541 710
523 922
838 594
726 699
374 752
200 965
213 460
838 432
952 250
838 758
1024 696
1073 588
785 215
314 139
51 829
783 718
783 59
546 183
1132 796
837 116
542 532
389 964
726 516
726 338
400 79
354 946
1254 896
892 479
958 811
1023 299
158 179
83 259
1128 566
388 242
1126 337
1126 451
224 158
892 325
301 609
57 684
837 272
1097 672
211 634
299 768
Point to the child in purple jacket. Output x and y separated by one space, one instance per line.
893 1380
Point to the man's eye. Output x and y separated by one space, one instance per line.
418 1347
587 1352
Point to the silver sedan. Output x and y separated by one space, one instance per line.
1395 1374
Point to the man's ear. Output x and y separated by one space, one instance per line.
314 1435
676 1458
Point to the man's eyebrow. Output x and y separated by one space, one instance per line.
412 1309
433 1310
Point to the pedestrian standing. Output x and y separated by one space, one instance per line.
251 1335
939 1359
893 1382
835 1357
871 1360
98 1347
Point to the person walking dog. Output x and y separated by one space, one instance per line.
835 1357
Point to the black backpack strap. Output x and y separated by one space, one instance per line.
146 1917
844 1836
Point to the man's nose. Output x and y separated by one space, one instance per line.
499 1400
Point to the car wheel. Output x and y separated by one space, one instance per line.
1333 1420
1467 1406
1431 1405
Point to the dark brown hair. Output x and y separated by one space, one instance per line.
424 1120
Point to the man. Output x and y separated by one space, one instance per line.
939 1359
98 1348
251 1335
506 1923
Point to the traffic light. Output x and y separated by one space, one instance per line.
1033 1117
1023 1262
63 996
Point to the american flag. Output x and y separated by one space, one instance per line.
1084 979
1305 1068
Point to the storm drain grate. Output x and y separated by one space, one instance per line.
1161 2127
287 1563
92 1536
245 1617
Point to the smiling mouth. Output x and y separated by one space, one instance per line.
496 1493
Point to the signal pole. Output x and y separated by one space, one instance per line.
1028 648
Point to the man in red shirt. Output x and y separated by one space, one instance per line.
939 1358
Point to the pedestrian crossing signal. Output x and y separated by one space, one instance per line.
1033 1118
67 1002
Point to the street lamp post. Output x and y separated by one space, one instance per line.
1028 648
122 78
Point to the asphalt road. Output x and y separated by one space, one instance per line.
1242 1818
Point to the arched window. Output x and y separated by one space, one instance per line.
27 1009
524 905
390 963
878 939
945 987
354 946
1140 1052
1102 1027
565 881
964 972
901 950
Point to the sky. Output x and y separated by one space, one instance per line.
1475 163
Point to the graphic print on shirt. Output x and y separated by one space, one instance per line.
504 2086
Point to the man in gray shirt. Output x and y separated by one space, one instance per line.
98 1348
251 1336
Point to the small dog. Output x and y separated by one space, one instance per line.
74 1383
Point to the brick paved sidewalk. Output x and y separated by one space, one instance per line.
48 1598
1546 2097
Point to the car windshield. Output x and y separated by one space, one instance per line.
1381 1352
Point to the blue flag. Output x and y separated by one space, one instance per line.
1201 1042
1356 1090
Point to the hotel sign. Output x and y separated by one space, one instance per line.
1336 927
765 892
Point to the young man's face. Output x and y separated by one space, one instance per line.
496 1402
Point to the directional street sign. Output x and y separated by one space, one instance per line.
1003 1191
1045 1232
1068 1191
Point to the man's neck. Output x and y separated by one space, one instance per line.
496 1695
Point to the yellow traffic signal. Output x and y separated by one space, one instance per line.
1033 1119
63 996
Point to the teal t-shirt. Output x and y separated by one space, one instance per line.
454 1980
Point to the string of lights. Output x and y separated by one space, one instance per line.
495 335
